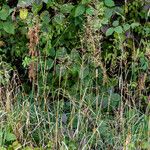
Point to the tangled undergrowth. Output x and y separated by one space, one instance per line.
74 75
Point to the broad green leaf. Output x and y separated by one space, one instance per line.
10 137
23 13
16 145
109 31
74 55
36 8
118 29
4 13
90 11
61 53
28 148
104 21
26 61
45 17
1 24
45 1
1 131
108 13
84 72
2 148
49 63
145 145
115 99
135 24
24 3
9 27
115 23
59 18
66 8
79 10
109 3
126 27
86 1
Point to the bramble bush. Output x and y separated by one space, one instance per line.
74 74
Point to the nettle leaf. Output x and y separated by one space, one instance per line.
109 3
4 13
118 29
110 31
9 27
66 8
79 10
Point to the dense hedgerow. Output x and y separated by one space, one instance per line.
74 74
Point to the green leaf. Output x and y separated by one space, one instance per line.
9 27
126 27
10 137
4 13
61 53
109 3
145 145
36 8
1 24
90 11
2 148
84 72
108 13
49 63
115 23
118 29
28 148
16 145
1 136
26 61
85 1
59 18
135 24
104 21
109 31
79 10
25 3
115 99
66 8
74 55
45 16
45 1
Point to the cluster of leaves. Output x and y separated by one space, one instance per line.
64 59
